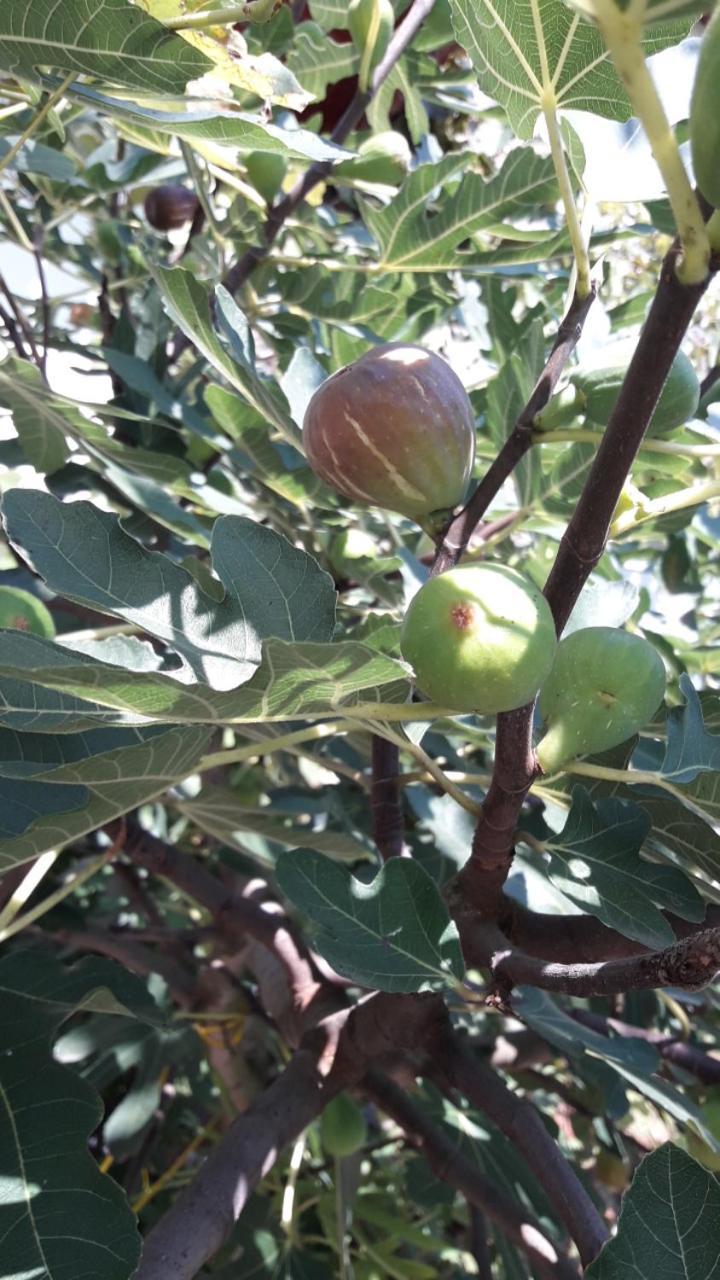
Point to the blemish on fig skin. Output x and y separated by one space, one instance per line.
462 616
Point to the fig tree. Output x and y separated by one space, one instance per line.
705 115
342 1127
479 638
385 157
605 684
350 550
394 428
678 401
169 207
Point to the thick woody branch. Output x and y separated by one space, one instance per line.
452 1167
333 1056
681 1054
689 964
458 534
521 1123
133 955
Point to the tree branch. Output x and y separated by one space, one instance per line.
386 799
332 1057
457 535
521 1123
688 1056
452 1167
689 964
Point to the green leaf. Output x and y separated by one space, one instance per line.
595 862
117 781
410 240
294 681
318 61
188 302
393 934
523 50
239 131
23 802
60 1216
668 1219
690 748
272 588
109 40
224 815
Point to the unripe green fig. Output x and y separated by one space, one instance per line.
371 24
605 684
705 115
394 428
479 638
169 207
350 551
266 171
23 611
383 158
678 401
343 1130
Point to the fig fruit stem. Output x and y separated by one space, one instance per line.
672 447
557 151
622 34
50 102
693 496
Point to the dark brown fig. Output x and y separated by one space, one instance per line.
169 207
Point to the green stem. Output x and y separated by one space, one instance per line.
557 151
254 11
632 778
622 33
652 446
267 745
36 121
691 497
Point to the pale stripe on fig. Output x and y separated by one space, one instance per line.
403 485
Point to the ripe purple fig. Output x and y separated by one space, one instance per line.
169 207
396 429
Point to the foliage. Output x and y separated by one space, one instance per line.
247 871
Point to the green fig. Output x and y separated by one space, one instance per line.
351 551
24 612
705 115
394 428
383 158
479 638
343 1130
371 24
678 401
266 171
605 684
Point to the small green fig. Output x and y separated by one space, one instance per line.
266 171
605 684
371 24
479 638
383 158
705 115
350 551
394 428
343 1130
23 611
678 401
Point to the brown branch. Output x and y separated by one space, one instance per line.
522 1125
13 333
332 1057
458 1171
689 964
711 377
584 540
44 297
457 535
133 955
21 322
478 1242
386 799
688 1056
